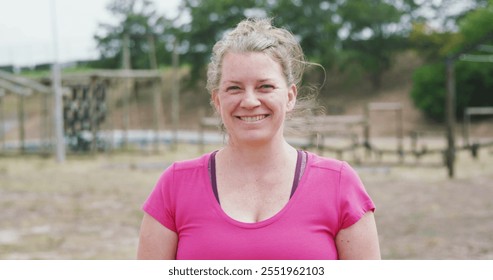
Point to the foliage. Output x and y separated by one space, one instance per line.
428 90
375 31
208 22
331 32
431 45
473 88
473 79
314 22
139 20
361 35
478 23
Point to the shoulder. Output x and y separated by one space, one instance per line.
182 174
190 164
340 169
183 169
316 161
194 163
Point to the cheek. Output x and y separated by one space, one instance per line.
284 102
225 103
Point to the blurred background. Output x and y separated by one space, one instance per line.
406 88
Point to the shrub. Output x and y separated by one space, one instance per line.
474 87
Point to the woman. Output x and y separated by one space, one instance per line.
258 197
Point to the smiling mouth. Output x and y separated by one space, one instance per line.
253 118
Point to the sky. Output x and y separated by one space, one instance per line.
26 29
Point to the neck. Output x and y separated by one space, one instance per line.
258 155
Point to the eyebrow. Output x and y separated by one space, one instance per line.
259 81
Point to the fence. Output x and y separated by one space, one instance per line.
108 110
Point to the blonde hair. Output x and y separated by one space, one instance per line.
258 35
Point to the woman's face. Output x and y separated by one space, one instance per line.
253 98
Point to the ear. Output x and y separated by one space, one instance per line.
215 100
292 94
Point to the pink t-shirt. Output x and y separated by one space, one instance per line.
329 197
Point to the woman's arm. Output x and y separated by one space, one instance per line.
156 241
359 241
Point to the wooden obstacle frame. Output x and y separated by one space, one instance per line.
22 88
375 107
317 129
84 111
356 130
474 144
83 94
101 87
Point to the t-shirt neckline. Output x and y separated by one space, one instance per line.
252 225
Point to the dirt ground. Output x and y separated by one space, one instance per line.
89 207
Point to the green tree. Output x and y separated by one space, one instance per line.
137 19
478 23
331 32
473 87
314 22
428 92
473 79
432 46
209 20
372 32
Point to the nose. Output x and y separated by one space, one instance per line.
249 99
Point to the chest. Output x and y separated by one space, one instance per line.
304 227
276 238
254 198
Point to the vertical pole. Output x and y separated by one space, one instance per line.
367 131
22 127
127 63
45 130
93 113
175 107
400 134
466 128
450 117
152 52
57 89
155 91
157 110
126 106
2 120
110 121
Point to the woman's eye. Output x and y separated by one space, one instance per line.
232 88
267 86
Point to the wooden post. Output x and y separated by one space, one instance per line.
450 117
152 52
155 91
109 118
2 120
175 96
126 96
46 132
366 132
57 89
465 131
22 131
91 96
400 134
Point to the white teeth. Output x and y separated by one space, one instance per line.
253 119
